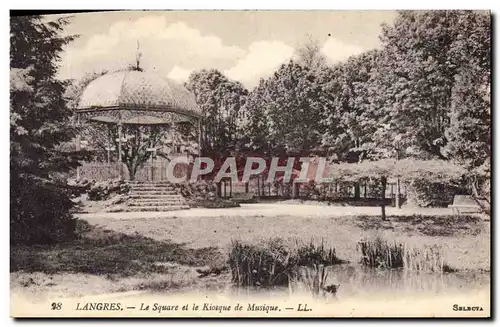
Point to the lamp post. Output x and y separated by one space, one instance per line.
398 183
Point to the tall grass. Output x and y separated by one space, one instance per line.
428 259
380 253
274 261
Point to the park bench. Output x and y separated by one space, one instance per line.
465 204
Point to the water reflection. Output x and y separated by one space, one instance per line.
362 281
357 281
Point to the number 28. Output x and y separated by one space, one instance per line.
56 306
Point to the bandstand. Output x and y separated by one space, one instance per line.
136 98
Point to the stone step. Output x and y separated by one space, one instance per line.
153 188
171 193
157 198
157 209
150 184
156 204
157 192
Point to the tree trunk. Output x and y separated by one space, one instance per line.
398 194
131 172
475 195
383 181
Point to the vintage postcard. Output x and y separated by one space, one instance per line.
250 164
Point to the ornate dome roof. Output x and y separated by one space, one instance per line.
140 91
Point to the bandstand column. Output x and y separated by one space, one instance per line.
120 150
109 146
172 136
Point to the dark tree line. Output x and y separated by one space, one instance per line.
425 95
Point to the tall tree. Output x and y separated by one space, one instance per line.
418 88
255 122
350 119
309 55
295 107
40 119
469 132
422 53
221 101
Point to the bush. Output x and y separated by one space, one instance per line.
39 213
212 204
273 262
201 189
104 189
425 194
310 191
203 194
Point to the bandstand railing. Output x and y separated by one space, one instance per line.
101 171
148 172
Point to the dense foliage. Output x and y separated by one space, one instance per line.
39 123
221 101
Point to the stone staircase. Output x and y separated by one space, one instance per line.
155 197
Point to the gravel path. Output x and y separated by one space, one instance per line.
272 209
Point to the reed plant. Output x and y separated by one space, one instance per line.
380 253
428 259
274 261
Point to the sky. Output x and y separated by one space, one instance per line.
244 45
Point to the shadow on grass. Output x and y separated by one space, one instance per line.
427 225
101 252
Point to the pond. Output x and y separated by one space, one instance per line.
357 281
361 281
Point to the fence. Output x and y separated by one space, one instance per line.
328 190
100 171
155 172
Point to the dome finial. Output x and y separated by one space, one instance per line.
138 56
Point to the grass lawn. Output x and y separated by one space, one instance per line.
163 254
